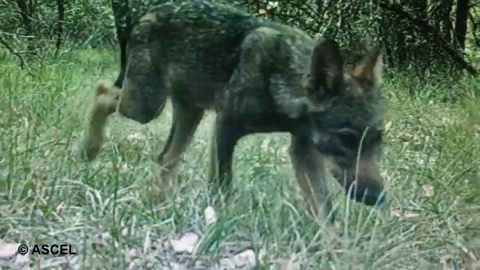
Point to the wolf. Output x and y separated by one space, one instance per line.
259 76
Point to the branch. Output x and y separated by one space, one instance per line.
474 29
12 51
425 26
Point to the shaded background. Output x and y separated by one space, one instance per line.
420 36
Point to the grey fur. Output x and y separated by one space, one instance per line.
258 76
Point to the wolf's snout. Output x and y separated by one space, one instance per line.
369 195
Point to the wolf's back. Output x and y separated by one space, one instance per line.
192 33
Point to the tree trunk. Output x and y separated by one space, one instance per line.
428 29
445 21
461 17
60 26
319 6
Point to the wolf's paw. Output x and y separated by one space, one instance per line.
87 151
368 197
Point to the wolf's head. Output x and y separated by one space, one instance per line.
142 98
346 118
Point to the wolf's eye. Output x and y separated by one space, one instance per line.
378 136
348 138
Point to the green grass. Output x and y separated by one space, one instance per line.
49 196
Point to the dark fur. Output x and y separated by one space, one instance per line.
259 76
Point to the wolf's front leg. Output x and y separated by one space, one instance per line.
105 103
310 173
185 122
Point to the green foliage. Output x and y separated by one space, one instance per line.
90 23
48 196
87 23
357 25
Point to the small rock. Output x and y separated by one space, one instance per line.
245 259
8 251
147 243
149 265
262 254
131 255
199 265
22 261
226 264
210 215
135 137
177 266
102 239
185 244
428 191
135 264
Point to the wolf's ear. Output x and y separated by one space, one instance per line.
372 68
326 69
